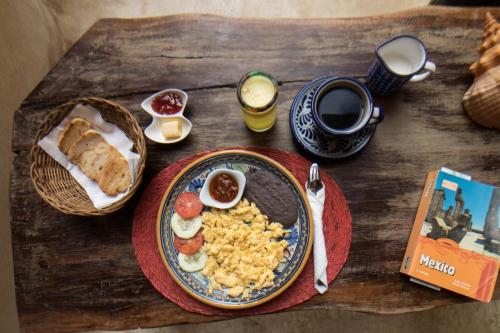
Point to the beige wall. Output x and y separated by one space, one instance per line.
35 34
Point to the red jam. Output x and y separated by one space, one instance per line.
223 187
168 103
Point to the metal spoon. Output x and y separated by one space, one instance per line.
314 183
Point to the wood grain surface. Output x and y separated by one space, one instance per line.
75 273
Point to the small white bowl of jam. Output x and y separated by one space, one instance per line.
223 188
166 103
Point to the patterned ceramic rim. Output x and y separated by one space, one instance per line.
393 39
187 281
308 88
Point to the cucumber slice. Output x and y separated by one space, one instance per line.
185 228
193 263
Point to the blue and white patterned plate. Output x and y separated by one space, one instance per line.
192 179
315 141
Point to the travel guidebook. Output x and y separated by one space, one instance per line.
455 240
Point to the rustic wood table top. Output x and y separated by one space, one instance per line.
76 273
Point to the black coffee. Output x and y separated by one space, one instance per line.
340 108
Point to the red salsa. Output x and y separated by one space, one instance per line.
223 187
168 103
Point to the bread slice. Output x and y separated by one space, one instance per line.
94 160
86 144
101 162
115 177
72 133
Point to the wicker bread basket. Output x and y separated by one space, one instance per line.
56 185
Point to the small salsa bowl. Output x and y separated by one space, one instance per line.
147 103
207 199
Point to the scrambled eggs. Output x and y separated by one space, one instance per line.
242 249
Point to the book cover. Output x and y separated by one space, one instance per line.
455 240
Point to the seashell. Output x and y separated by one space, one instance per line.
482 100
491 26
489 21
488 60
491 33
489 41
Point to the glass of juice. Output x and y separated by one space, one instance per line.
257 93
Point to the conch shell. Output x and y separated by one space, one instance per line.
491 34
490 59
482 100
489 41
491 26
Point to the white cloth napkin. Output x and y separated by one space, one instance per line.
317 202
111 133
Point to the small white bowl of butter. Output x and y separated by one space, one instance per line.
167 128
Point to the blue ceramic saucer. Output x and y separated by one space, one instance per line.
314 140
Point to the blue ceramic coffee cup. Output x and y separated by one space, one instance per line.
398 60
368 113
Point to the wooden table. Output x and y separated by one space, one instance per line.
75 273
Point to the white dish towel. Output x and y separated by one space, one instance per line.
317 202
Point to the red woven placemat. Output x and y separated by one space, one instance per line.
337 230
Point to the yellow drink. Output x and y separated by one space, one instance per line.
259 121
257 93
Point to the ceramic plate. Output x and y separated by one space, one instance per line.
192 178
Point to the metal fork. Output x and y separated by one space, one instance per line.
314 183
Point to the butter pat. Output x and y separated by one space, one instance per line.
171 128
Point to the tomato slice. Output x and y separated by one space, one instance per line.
188 205
189 246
